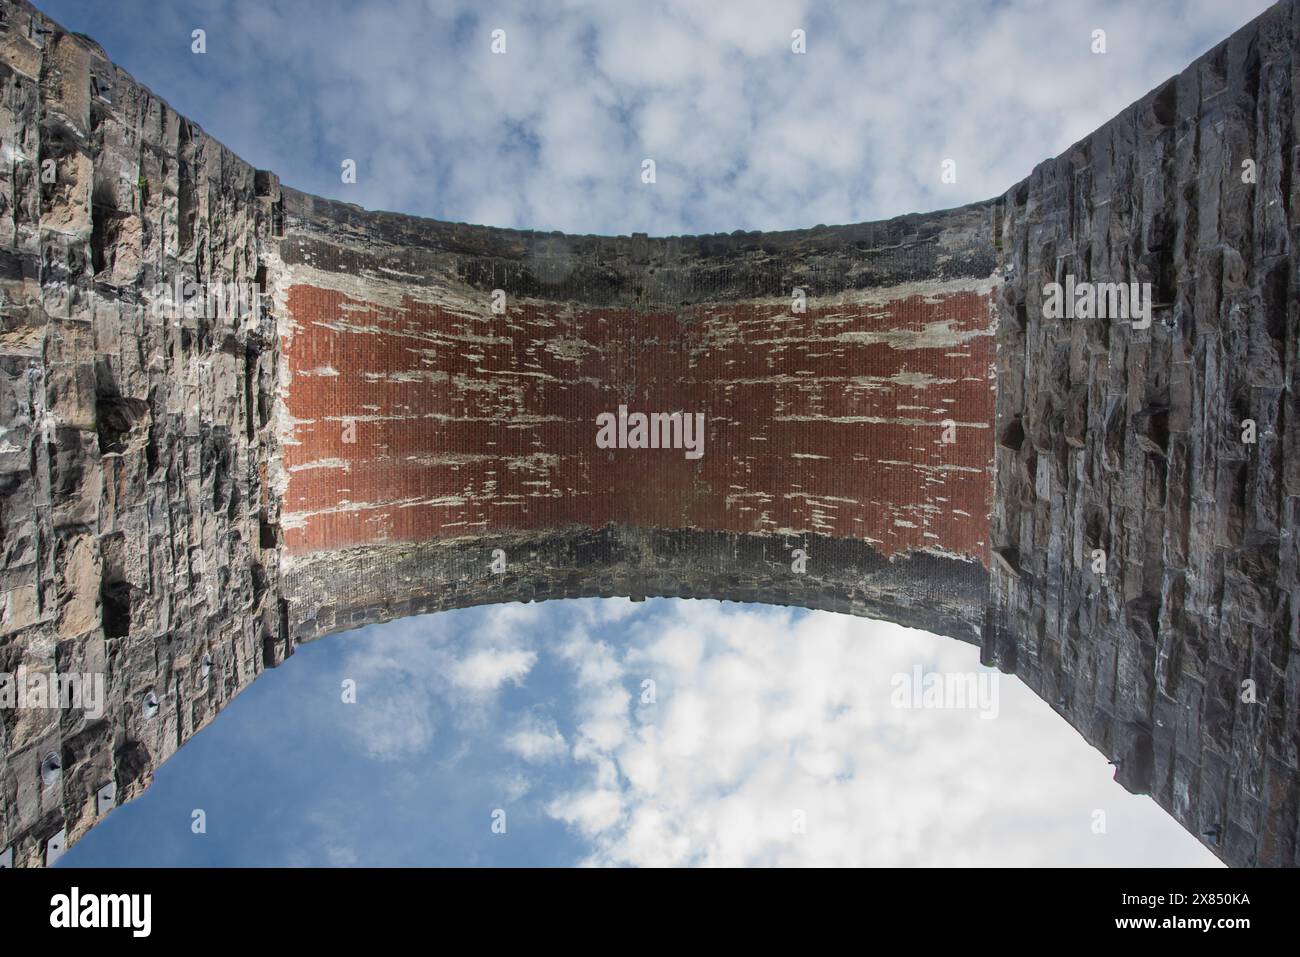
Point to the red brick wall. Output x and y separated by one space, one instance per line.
826 422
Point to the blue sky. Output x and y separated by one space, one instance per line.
760 712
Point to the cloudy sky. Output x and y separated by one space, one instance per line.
745 134
771 738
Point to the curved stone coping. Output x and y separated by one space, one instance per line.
328 592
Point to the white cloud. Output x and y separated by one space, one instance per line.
763 719
537 741
423 675
396 712
487 670
513 787
592 812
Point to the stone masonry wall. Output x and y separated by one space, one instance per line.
137 540
1130 442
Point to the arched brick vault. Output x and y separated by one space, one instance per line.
178 505
422 431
